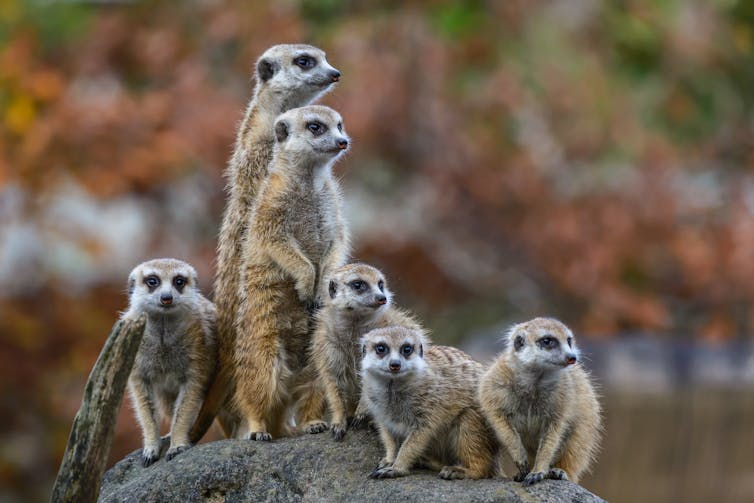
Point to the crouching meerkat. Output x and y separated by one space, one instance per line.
358 301
422 399
177 356
297 236
541 404
287 76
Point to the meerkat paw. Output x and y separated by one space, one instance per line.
384 462
523 470
388 472
534 477
359 421
174 451
557 474
149 455
338 431
452 473
262 436
316 427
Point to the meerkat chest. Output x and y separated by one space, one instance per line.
314 226
163 358
530 413
396 409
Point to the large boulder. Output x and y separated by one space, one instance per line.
305 468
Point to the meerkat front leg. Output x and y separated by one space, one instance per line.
146 413
186 409
388 442
336 406
548 446
361 416
290 258
410 451
512 443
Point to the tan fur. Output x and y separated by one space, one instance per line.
297 235
542 405
177 356
426 412
358 301
281 85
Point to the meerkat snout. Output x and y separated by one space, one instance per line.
335 75
571 359
342 144
166 299
395 366
380 300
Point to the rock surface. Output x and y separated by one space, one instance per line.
306 468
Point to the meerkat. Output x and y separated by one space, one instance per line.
541 403
423 400
177 356
358 301
287 76
297 236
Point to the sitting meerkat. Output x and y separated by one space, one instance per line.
358 301
422 399
177 356
541 404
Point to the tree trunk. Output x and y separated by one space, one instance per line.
89 444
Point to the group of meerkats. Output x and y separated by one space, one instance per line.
297 335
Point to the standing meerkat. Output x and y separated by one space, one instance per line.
422 399
297 236
358 301
541 404
177 356
287 76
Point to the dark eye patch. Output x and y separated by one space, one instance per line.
381 349
358 285
179 282
570 342
518 343
548 342
316 127
381 285
152 282
407 349
305 62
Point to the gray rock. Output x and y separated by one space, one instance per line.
306 468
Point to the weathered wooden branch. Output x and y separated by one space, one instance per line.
91 436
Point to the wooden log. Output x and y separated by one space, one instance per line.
91 437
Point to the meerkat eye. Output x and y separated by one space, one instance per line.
179 282
380 349
381 285
316 128
152 281
357 284
305 62
407 349
548 342
340 127
570 342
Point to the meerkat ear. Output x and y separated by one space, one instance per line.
266 69
518 343
332 288
281 131
131 285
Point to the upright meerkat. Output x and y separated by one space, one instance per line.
297 236
177 356
422 399
358 301
287 76
541 404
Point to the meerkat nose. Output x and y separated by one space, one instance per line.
335 75
395 365
381 300
342 144
571 359
166 299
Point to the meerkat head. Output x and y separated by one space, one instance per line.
297 73
358 290
543 343
312 132
162 286
392 353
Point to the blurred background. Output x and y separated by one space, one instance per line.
588 160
